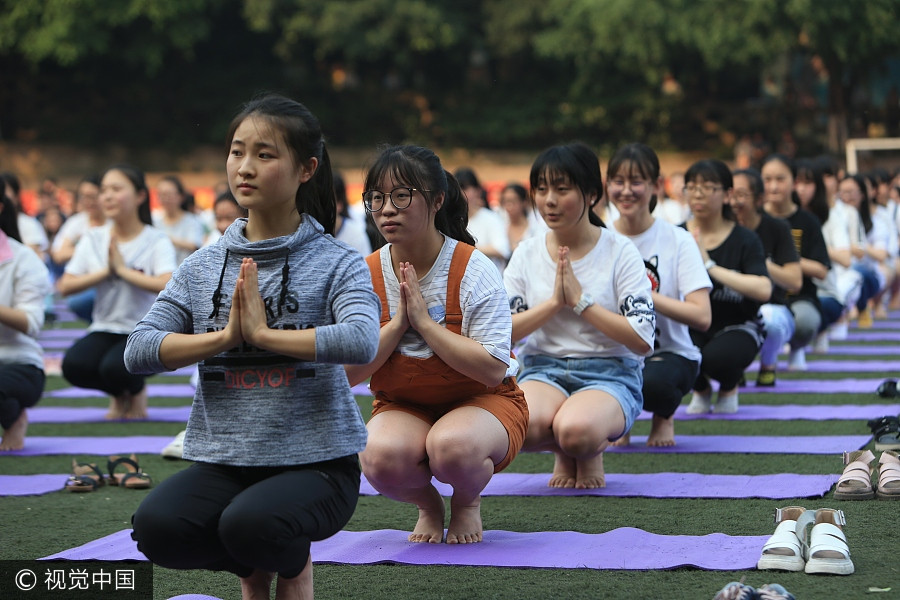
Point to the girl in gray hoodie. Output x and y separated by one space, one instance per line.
271 312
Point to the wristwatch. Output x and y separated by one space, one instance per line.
709 264
583 302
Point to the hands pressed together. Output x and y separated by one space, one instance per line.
247 318
411 310
567 288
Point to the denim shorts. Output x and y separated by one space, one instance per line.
621 378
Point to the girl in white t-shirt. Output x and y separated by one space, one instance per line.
129 263
446 400
183 227
680 286
581 295
24 282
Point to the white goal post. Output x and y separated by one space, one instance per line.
857 144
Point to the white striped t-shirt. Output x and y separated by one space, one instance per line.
482 298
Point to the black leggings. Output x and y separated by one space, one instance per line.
725 354
238 519
21 386
97 362
667 378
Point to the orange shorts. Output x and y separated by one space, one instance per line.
506 402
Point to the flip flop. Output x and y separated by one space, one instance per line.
86 477
133 478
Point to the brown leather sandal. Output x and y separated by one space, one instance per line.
889 476
856 480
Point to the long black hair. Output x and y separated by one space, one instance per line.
9 222
577 164
421 169
808 171
303 136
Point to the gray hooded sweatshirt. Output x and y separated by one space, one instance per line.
254 407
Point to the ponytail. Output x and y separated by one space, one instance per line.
453 217
316 197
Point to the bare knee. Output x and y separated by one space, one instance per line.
389 461
578 439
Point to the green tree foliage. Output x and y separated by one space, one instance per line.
143 32
473 72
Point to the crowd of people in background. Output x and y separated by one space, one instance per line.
824 243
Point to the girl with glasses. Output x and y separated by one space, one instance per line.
446 400
734 258
271 312
679 282
581 296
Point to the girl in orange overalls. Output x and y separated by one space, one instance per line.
446 400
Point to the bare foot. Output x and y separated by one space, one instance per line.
880 312
622 441
257 586
465 523
118 406
430 526
296 588
662 432
137 409
564 472
14 437
590 473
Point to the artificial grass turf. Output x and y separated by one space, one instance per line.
36 526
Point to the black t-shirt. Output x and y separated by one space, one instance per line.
741 251
778 245
810 243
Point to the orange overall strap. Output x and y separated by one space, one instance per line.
374 263
458 264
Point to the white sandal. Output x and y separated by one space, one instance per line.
786 549
828 549
855 482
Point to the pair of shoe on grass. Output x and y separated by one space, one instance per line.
855 482
123 471
826 552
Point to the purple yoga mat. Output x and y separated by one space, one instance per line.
94 414
194 597
104 446
788 412
155 390
656 485
820 386
622 548
62 334
861 350
830 366
31 485
750 444
873 336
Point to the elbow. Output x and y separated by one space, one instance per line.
642 348
704 322
494 377
794 286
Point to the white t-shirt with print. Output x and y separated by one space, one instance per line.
612 273
675 269
120 305
482 299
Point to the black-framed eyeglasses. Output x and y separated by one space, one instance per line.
400 197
